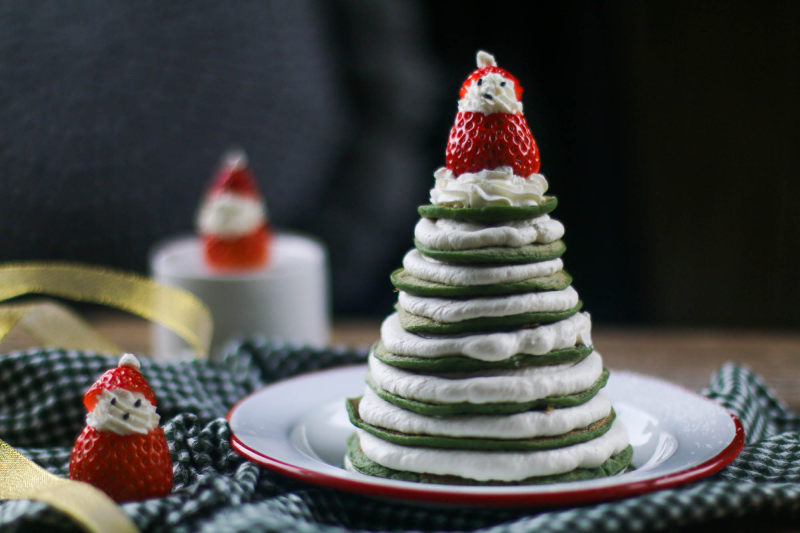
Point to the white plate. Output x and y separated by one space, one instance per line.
299 427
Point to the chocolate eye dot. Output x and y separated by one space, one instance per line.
138 403
113 401
502 84
480 82
126 416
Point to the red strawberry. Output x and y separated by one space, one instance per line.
248 251
126 467
480 142
491 69
124 376
235 177
233 219
122 450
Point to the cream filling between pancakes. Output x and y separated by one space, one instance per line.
501 386
566 333
529 424
448 234
429 269
451 310
499 466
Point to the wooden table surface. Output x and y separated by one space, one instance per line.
682 356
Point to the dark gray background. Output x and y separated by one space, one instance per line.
669 133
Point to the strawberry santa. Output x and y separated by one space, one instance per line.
232 219
491 156
122 450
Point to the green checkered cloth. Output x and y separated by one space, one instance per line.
41 413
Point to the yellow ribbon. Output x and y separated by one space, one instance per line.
172 307
89 507
54 325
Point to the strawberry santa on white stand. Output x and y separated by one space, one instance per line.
233 219
122 450
254 281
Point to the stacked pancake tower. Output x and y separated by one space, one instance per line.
486 373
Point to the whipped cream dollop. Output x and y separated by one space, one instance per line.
430 269
230 215
500 466
515 386
529 424
123 412
454 310
566 333
499 186
447 234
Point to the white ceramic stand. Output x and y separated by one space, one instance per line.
285 301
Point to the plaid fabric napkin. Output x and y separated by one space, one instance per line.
216 490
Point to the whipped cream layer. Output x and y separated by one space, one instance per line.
566 333
429 269
499 466
448 234
500 386
123 412
530 424
450 310
499 186
230 215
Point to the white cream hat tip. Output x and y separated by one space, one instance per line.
485 59
129 359
235 158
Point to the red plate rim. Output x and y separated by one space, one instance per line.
561 498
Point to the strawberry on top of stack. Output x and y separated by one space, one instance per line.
486 373
490 129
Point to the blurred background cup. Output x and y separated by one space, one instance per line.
288 301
